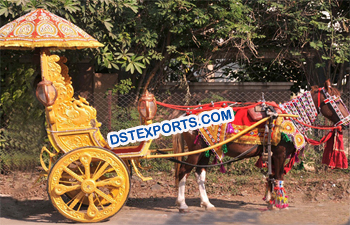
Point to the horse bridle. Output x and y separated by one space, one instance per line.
332 100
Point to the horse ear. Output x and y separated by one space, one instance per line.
314 88
327 85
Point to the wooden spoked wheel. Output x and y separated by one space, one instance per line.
92 176
79 167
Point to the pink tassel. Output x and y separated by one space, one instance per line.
196 140
222 169
215 160
229 129
297 158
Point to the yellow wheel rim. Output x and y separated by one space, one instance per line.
103 188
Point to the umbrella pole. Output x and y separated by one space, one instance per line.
44 52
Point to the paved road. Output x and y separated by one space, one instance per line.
236 211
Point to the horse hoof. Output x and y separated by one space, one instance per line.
211 209
208 206
270 207
184 211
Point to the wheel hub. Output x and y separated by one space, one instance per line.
88 186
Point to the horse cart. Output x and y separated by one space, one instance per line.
88 181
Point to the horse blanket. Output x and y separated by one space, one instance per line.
218 133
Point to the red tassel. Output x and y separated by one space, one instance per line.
334 155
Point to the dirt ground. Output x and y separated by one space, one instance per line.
313 198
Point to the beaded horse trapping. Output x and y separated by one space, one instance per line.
332 101
304 107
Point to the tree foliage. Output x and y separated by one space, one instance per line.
312 35
155 41
176 40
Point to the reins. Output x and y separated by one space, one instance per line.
235 159
194 109
319 99
317 127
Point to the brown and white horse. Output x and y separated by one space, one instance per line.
281 152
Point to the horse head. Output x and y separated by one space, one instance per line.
328 102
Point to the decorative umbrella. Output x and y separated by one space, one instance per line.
41 28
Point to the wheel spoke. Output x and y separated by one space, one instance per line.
101 171
92 210
85 159
68 182
98 166
81 202
70 172
66 176
100 204
109 170
81 172
78 197
61 189
115 181
102 194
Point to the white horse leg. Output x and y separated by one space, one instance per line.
203 194
181 195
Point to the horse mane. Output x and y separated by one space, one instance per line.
331 90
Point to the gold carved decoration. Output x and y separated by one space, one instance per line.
71 122
69 113
76 141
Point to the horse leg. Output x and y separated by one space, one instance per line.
279 157
184 171
180 201
200 176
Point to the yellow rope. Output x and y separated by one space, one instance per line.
218 144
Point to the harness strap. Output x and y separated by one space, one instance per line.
332 101
235 159
319 99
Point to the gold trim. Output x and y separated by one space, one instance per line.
248 139
54 44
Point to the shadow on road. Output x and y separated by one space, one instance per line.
169 202
42 211
30 210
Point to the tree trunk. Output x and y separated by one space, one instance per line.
341 77
154 71
139 86
156 68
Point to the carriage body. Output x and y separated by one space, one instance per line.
87 180
71 123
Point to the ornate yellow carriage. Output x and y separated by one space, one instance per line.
87 180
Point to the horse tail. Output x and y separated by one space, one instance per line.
178 147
